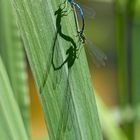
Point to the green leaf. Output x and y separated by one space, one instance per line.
11 50
11 124
66 95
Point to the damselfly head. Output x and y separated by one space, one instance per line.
82 37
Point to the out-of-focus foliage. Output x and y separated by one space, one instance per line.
11 124
128 30
12 54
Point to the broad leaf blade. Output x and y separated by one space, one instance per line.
66 94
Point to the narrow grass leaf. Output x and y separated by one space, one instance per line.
11 124
11 50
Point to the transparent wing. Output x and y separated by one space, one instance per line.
98 56
89 12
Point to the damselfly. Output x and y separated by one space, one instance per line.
77 7
96 54
72 51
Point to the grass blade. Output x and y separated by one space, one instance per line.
66 94
12 54
11 124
